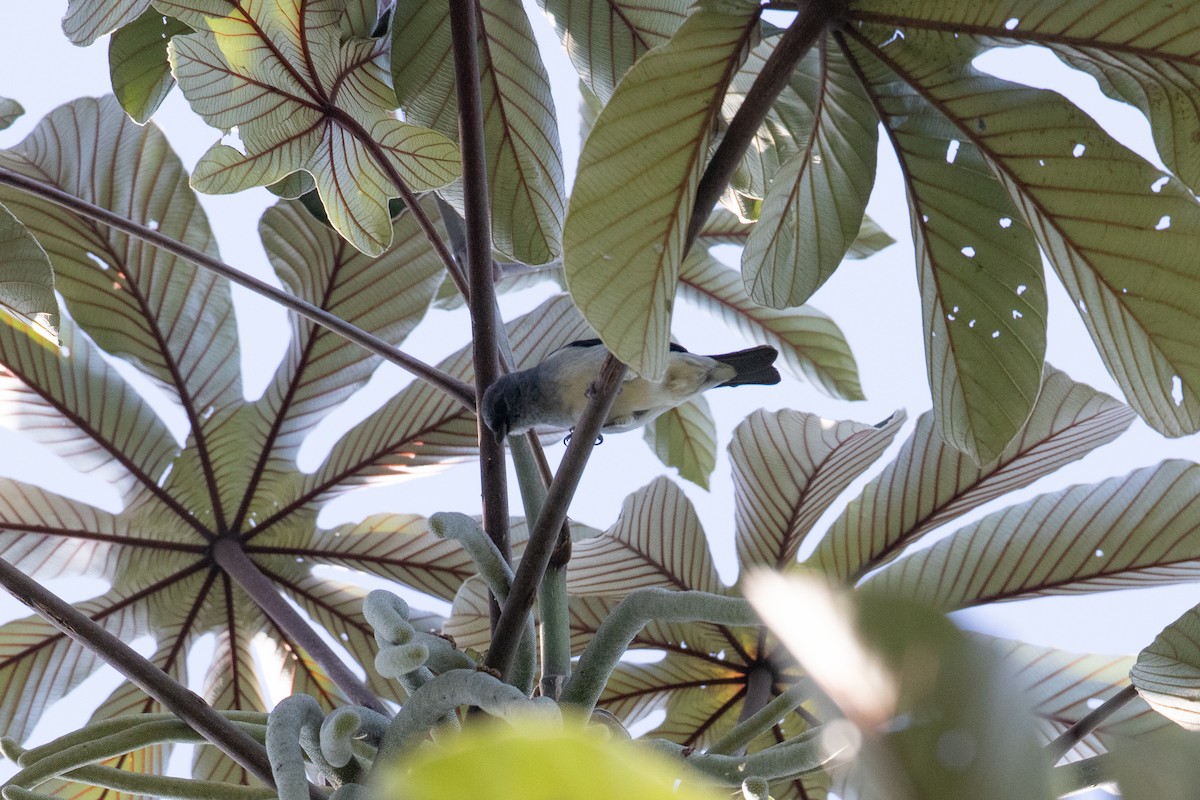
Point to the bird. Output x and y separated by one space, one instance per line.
555 392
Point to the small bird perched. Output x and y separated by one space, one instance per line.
554 393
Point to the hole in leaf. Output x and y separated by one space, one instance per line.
1094 702
1006 222
1017 314
1011 23
1021 289
1082 307
1041 162
951 317
995 334
924 218
162 479
968 251
1156 187
952 151
1177 390
1099 553
1077 151
100 262
152 224
1163 223
896 34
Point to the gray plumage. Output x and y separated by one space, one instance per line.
554 393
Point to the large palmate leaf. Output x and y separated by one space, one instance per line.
982 292
301 98
814 203
1120 234
1139 53
636 184
520 130
657 541
1139 530
931 483
788 468
235 477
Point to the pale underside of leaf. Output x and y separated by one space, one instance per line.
166 316
812 345
636 185
26 277
686 438
1064 688
657 541
301 99
814 207
1140 53
604 39
1120 234
931 483
788 468
520 130
10 110
1167 672
1139 530
982 290
88 20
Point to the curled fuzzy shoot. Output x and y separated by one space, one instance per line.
406 654
343 726
443 695
756 789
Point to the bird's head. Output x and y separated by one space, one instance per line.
498 412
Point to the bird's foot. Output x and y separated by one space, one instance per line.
567 438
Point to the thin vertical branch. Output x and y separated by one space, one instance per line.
185 704
230 557
544 536
800 36
482 297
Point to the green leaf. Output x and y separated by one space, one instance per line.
931 483
137 61
1139 530
657 541
983 296
1114 227
812 345
88 20
814 206
1167 672
788 468
9 111
168 317
302 99
870 240
604 40
636 184
537 760
686 438
520 129
26 281
1144 58
1164 765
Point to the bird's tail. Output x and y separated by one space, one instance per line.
752 365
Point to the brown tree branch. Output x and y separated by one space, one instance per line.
449 384
185 704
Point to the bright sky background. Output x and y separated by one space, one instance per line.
875 302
